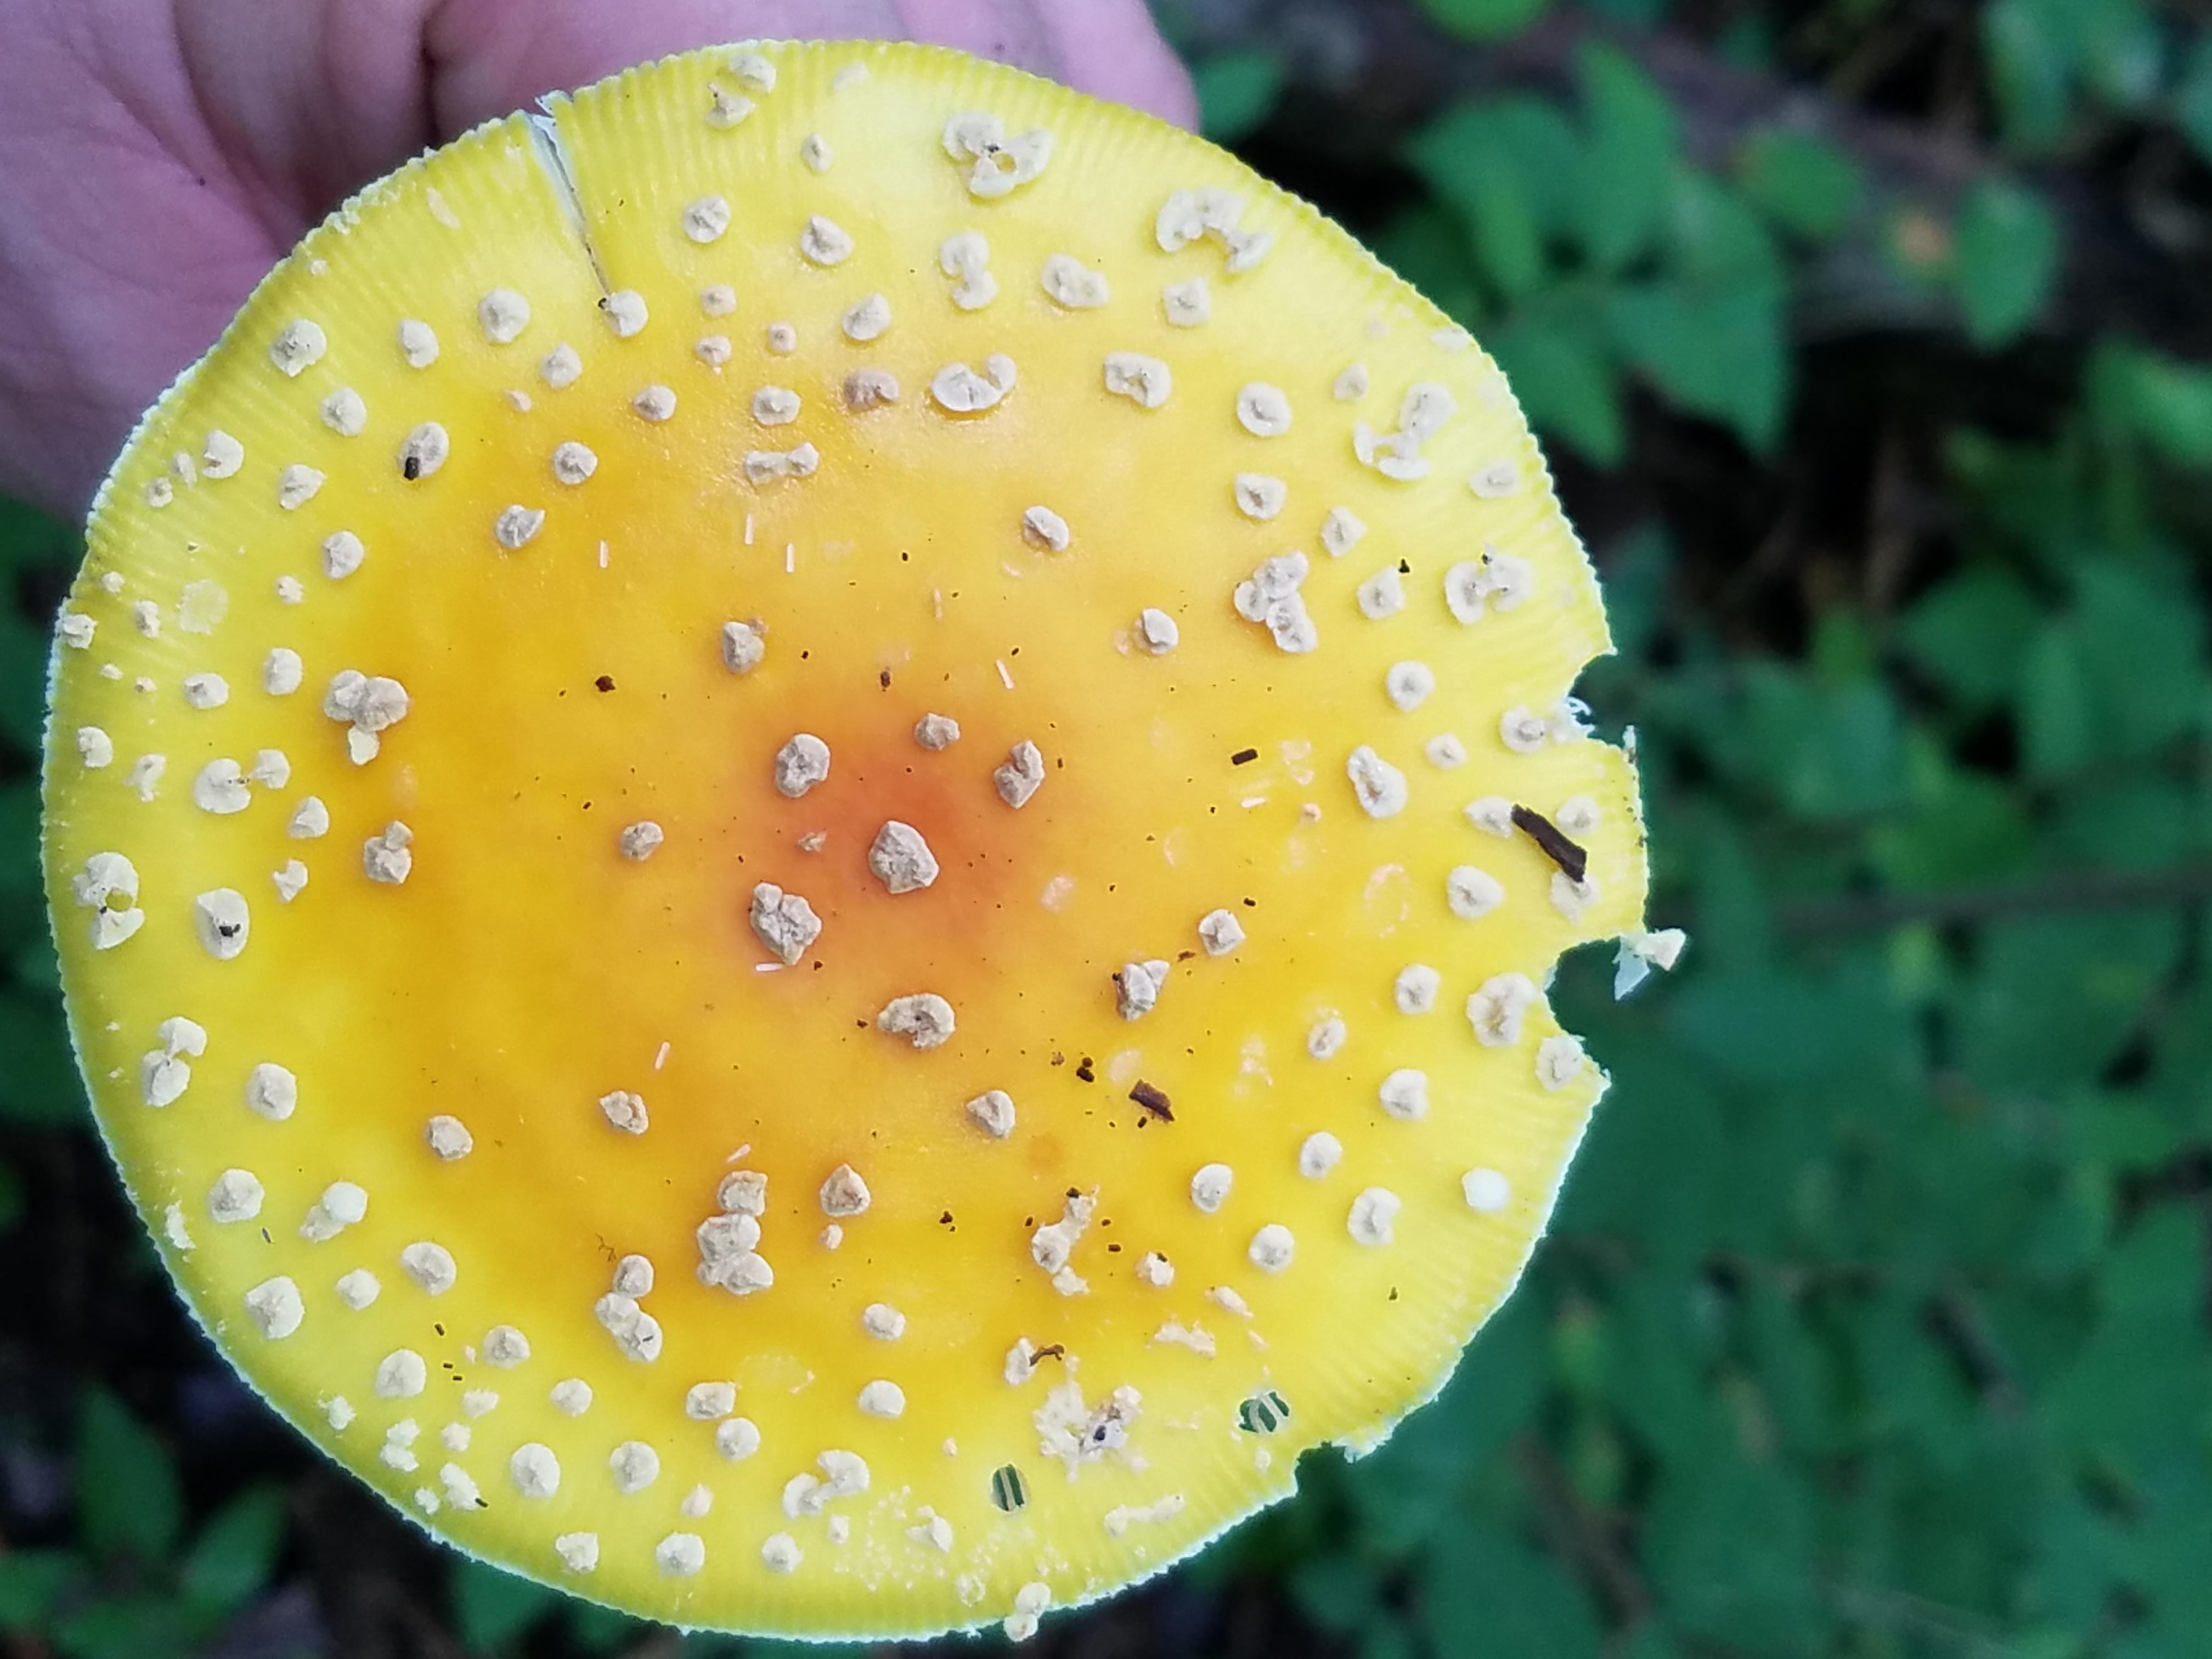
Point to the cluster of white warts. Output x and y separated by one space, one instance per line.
900 858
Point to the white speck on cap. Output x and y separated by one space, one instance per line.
310 820
276 1308
579 1551
272 1092
737 1438
419 343
814 149
844 1195
1405 1094
958 389
1260 497
936 731
705 220
573 463
223 921
1559 1062
1137 988
1341 532
1272 1247
1497 1008
1220 932
1270 596
996 162
882 1398
1486 1191
779 1553
900 858
358 1289
1072 285
1472 893
502 314
1143 380
870 388
1021 774
800 764
296 485
571 1396
1157 631
634 1465
1319 1153
1409 684
1415 990
1380 787
299 345
1210 1185
1045 527
825 242
783 922
1187 305
345 412
401 1375
993 1112
709 1402
967 257
681 1555
1373 1214
924 1019
654 403
866 320
1262 409
431 1266
388 858
625 1111
534 1469
517 526
1326 1038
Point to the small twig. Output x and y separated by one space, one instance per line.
1586 1533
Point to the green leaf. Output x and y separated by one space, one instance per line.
2193 98
1627 159
2167 402
2142 649
1567 384
1806 185
2031 54
230 1560
142 1626
22 683
128 1499
1723 355
1484 19
38 1083
30 1585
2007 255
1968 632
1236 92
1483 1591
490 1606
1499 165
1429 248
2053 710
1730 1545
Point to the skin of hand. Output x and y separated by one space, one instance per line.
158 156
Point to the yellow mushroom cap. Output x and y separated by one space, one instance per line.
805 835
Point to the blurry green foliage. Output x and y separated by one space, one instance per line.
1236 90
1872 1322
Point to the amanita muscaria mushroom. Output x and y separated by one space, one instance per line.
805 828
